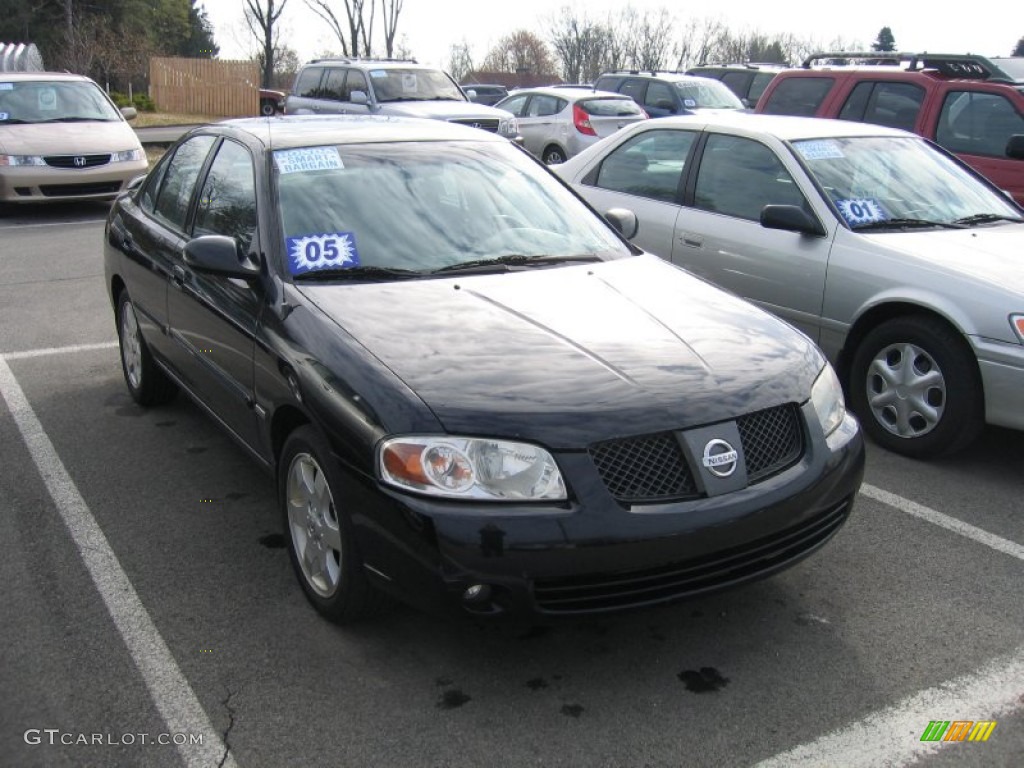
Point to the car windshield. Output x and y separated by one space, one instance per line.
52 101
427 206
707 94
413 85
873 179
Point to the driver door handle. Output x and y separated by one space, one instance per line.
692 241
178 276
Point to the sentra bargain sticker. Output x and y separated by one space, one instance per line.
822 149
307 159
861 211
328 250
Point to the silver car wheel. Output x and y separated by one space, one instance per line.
313 522
131 345
554 156
906 390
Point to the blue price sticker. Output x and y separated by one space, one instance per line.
6 86
690 102
4 115
861 211
327 250
308 159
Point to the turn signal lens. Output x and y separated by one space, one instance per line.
1017 321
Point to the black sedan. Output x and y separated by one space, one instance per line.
473 392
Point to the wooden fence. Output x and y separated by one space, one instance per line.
204 86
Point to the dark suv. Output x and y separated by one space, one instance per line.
747 81
970 105
350 86
669 93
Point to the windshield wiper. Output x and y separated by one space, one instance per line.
73 119
901 223
367 272
985 218
502 263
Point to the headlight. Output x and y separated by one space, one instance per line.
827 398
129 155
471 468
21 160
1017 321
509 127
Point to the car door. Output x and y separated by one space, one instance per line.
213 318
540 125
355 81
517 105
719 235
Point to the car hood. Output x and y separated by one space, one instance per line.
67 138
993 254
446 110
569 355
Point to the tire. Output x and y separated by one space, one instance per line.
268 108
321 543
553 156
914 383
147 383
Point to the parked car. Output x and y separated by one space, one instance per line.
556 123
481 93
899 260
669 93
390 87
271 101
62 138
972 106
747 81
473 393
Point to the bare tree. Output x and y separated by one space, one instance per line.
355 31
262 17
390 10
460 61
521 51
580 44
699 42
647 37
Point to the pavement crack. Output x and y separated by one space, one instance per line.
227 731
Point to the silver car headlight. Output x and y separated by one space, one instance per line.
129 155
470 468
827 398
13 160
509 127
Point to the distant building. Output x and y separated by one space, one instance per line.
510 79
20 57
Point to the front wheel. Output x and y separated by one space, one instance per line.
915 385
553 156
268 108
320 536
147 383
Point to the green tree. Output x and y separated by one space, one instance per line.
885 41
200 43
1019 50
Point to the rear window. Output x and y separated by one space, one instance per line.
308 84
798 96
609 107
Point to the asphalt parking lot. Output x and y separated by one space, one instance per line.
148 598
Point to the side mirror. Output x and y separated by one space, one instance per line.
129 113
791 218
624 221
1015 147
471 94
359 97
219 255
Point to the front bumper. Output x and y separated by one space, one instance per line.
595 555
1002 375
37 184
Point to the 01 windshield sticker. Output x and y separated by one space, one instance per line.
327 250
307 159
820 149
864 210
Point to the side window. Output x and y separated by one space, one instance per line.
892 104
152 185
308 84
227 205
634 88
977 123
737 82
515 105
739 177
356 82
798 96
543 106
660 95
649 165
761 80
172 201
334 84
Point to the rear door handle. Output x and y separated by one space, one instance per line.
178 276
692 241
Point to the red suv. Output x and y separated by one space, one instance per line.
972 106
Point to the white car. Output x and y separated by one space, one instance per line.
902 263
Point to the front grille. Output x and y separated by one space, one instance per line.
487 124
772 440
73 190
688 578
650 468
85 161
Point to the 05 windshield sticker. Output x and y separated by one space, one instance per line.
307 159
819 150
327 250
863 210
690 102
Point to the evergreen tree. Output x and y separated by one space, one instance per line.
1019 50
885 41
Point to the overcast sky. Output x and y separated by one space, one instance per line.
432 26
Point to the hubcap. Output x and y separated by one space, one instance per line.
313 521
131 346
906 390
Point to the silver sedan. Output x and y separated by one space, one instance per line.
903 264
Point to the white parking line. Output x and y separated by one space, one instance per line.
170 691
892 737
997 543
57 350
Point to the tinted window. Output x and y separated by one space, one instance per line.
227 205
634 89
607 84
739 177
761 80
180 179
334 84
514 104
798 96
737 82
356 81
977 123
893 104
308 84
660 95
649 165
